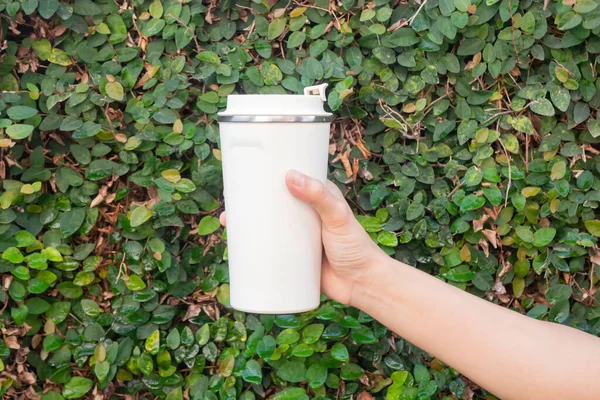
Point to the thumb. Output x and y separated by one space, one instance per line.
333 210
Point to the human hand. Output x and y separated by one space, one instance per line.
350 253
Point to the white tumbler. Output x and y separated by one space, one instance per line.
274 240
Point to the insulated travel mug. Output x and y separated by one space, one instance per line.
274 240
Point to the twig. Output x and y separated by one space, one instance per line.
187 28
497 115
460 184
512 30
565 68
430 106
509 172
411 19
526 152
121 264
112 128
390 112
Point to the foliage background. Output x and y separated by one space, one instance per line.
464 138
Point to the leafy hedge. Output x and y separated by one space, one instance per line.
465 138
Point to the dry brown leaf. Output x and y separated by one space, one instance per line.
478 223
491 236
364 379
484 247
280 12
355 168
409 108
364 395
154 197
150 72
398 24
27 377
493 213
505 268
30 393
59 30
99 197
12 342
332 148
361 146
36 340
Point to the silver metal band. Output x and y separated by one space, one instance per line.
275 118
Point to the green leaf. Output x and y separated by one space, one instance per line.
101 370
252 373
340 352
152 344
13 255
209 56
21 272
296 39
523 124
21 112
568 20
543 237
208 225
528 22
47 8
386 238
312 333
471 202
581 112
473 176
542 107
364 335
19 131
367 14
88 129
351 372
462 5
561 98
135 283
76 387
288 336
593 227
559 293
71 221
58 56
316 375
173 339
115 91
139 215
292 371
276 28
156 9
293 393
370 224
19 314
90 307
559 170
470 47
52 342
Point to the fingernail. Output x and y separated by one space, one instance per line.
296 178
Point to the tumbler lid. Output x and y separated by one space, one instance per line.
277 107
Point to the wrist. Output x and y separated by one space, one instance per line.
377 272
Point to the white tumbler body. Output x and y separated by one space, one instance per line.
274 240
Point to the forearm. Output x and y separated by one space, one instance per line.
509 354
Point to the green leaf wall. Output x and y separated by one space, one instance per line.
465 138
